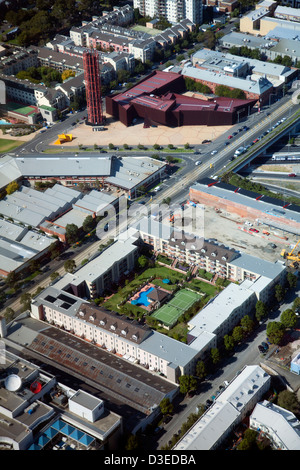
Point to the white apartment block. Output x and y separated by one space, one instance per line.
279 425
171 10
227 411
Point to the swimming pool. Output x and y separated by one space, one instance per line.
142 298
3 122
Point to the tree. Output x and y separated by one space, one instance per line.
70 266
279 292
215 355
89 224
187 384
53 276
201 370
228 342
166 407
261 310
275 332
12 187
288 400
12 278
25 300
292 280
72 233
238 334
67 74
143 261
247 324
288 318
9 314
132 442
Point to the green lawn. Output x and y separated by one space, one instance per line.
158 272
8 144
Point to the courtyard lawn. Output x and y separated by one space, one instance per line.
169 313
8 144
158 273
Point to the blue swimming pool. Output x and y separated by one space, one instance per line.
3 122
142 298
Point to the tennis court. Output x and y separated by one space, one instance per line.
169 313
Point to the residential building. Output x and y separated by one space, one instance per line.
171 10
19 59
277 424
228 410
23 91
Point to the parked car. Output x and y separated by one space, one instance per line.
253 230
230 136
292 175
256 140
206 141
214 152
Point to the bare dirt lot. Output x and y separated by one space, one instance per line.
231 230
118 134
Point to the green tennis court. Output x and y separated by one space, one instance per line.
169 313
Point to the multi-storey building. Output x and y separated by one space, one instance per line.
171 10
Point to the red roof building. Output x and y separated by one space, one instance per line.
158 100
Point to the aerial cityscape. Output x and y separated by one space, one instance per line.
149 227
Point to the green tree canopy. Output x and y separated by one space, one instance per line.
275 331
288 400
166 407
72 233
70 266
187 384
288 318
261 310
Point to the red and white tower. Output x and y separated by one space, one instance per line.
92 88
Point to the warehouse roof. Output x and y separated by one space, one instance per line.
51 166
258 87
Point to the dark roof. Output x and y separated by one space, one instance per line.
157 294
252 194
122 326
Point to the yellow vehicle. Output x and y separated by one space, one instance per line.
290 255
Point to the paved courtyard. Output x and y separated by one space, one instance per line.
118 134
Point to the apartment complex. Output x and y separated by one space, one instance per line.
171 10
277 424
227 411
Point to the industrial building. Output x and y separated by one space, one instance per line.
39 413
158 100
20 246
247 204
124 173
